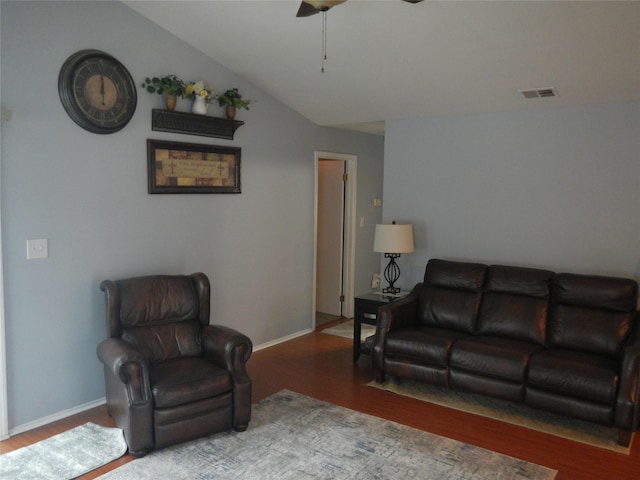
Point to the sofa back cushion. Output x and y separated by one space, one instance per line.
451 293
515 303
591 313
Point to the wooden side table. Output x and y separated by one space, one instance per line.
366 311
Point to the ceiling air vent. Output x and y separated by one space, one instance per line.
539 93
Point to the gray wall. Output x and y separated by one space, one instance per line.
553 188
87 195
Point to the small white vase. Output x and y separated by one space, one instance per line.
199 106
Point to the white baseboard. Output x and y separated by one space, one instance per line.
56 416
282 340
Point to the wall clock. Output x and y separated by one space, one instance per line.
97 91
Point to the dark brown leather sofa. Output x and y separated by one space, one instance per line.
562 342
171 376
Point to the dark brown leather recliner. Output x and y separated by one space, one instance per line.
170 376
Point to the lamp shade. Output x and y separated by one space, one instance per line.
393 238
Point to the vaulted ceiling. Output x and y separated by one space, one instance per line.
389 59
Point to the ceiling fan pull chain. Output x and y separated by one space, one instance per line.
324 38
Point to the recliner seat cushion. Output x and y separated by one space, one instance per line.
574 374
184 380
500 358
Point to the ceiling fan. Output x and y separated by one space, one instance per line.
311 7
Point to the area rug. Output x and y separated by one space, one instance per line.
295 437
509 412
346 330
66 455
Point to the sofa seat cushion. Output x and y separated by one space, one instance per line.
574 374
423 344
183 380
500 358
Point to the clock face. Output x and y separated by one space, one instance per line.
97 91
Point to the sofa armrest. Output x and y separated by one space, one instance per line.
634 335
228 349
628 401
390 317
126 363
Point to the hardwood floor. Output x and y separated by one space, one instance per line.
320 366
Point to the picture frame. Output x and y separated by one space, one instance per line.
176 167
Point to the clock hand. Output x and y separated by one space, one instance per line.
102 88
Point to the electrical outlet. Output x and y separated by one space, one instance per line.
375 280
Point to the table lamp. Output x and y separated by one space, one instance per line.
392 240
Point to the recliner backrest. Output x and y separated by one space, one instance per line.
591 313
515 303
162 314
451 293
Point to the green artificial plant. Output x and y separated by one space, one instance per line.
170 85
232 98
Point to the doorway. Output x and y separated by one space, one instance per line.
334 236
330 240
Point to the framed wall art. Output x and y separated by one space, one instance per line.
175 167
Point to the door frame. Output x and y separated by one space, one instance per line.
4 408
349 247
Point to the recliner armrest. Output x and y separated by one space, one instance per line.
116 353
227 348
390 317
128 364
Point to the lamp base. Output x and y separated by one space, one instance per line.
392 290
391 273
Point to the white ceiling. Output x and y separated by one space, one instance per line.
388 59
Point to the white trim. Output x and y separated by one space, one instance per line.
351 162
4 408
57 416
282 339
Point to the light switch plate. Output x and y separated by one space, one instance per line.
37 249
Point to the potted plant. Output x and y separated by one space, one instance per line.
232 100
170 86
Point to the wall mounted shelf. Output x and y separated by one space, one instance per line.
193 124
